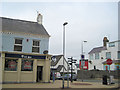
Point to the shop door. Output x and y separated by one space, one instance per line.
39 73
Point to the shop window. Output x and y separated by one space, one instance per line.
117 67
18 45
108 55
27 65
11 65
36 46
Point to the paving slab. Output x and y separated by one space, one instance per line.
58 84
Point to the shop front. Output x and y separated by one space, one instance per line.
25 68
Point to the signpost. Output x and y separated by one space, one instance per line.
109 62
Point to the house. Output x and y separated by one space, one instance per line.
24 51
57 64
99 55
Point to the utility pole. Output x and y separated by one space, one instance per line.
82 58
63 51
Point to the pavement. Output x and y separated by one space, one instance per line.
58 84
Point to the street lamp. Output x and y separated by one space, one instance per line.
82 58
63 50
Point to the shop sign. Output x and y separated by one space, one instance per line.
24 56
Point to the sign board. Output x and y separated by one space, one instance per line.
83 63
82 56
12 64
24 56
109 61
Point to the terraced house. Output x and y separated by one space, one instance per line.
24 51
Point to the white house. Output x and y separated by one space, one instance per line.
99 55
57 63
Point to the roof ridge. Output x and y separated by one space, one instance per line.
18 20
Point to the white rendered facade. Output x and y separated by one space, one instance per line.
111 52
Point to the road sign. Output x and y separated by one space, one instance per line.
109 61
82 56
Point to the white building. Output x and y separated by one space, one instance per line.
99 55
57 65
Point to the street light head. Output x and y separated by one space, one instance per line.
84 41
65 23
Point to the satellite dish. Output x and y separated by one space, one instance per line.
45 52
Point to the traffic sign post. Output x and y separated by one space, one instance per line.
109 62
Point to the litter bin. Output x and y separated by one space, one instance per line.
104 80
111 79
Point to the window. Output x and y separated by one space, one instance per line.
10 65
27 65
118 54
108 55
96 55
36 46
91 56
112 44
18 45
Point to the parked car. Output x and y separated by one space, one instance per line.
68 76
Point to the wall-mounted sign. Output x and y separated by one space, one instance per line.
109 61
84 64
24 56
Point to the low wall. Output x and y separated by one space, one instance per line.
87 74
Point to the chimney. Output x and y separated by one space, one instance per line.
105 40
39 18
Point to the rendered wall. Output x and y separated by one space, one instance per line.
8 41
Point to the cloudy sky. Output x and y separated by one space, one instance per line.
89 21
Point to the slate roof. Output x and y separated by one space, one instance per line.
22 26
98 49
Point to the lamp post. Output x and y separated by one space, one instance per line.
63 50
82 58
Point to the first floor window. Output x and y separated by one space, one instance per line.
96 55
18 45
27 65
108 55
36 46
91 56
11 65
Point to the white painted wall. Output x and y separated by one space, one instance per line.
114 56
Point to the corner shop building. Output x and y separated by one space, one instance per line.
22 54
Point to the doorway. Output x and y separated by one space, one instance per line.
39 73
